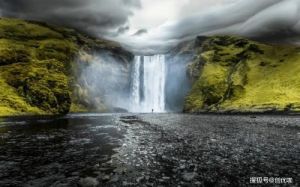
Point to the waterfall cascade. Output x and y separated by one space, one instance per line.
148 84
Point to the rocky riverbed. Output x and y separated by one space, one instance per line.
149 150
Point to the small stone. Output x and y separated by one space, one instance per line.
75 173
189 176
197 183
88 182
115 178
125 183
149 184
97 173
161 180
105 178
139 179
104 169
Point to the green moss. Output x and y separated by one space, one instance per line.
78 108
61 50
16 29
11 103
34 69
13 53
38 67
41 83
242 75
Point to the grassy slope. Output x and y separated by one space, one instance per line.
236 74
36 65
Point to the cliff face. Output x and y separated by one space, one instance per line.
39 64
177 83
232 74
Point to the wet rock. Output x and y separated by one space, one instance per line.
105 178
125 183
189 176
139 179
164 152
104 169
75 173
115 179
149 184
88 182
198 183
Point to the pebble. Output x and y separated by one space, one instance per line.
139 179
115 178
88 182
75 173
197 183
189 176
106 178
172 160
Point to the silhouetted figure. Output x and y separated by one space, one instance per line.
152 110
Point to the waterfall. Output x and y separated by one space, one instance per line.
135 88
148 84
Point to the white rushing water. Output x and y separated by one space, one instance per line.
148 84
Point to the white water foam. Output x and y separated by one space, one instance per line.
148 84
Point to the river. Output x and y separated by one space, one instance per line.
148 150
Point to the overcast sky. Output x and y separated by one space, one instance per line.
154 13
150 24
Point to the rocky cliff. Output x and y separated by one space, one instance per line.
233 74
39 67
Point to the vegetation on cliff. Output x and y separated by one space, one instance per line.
233 74
38 66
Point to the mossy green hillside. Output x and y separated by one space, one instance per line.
37 65
233 74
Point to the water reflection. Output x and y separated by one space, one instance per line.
33 148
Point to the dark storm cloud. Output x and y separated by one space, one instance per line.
123 30
266 20
140 32
98 17
257 19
